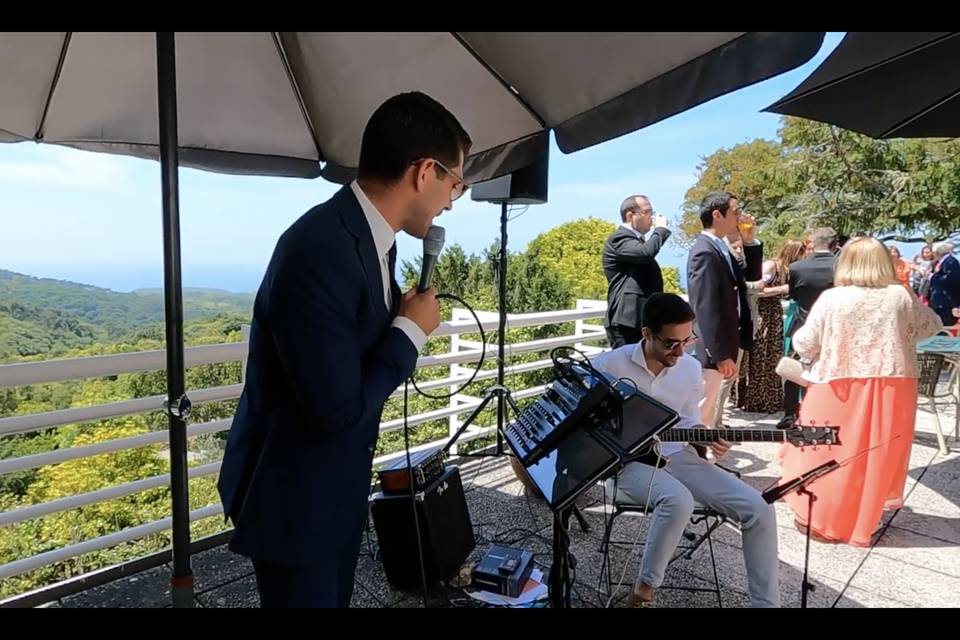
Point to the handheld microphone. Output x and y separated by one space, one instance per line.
432 245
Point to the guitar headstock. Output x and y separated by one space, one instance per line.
806 435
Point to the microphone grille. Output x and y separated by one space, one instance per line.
433 241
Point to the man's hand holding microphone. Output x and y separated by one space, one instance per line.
420 304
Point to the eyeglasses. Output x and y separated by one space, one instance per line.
672 345
459 186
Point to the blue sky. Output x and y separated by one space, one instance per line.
95 218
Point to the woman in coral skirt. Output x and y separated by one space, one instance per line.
861 338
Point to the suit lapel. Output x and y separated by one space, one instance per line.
356 223
723 259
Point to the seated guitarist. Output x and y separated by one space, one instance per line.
661 369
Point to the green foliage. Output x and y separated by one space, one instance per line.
820 175
574 250
34 486
26 331
45 317
671 280
754 171
77 477
530 287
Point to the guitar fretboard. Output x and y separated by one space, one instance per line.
730 435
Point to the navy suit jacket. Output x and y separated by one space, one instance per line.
323 360
714 292
945 290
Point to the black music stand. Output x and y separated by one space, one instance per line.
559 586
799 484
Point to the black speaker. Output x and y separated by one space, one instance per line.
524 186
445 530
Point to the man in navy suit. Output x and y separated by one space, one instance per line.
331 338
718 295
945 283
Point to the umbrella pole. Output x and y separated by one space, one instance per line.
178 405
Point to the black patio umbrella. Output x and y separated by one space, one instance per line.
885 85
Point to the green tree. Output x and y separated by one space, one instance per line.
755 172
531 287
903 189
821 175
574 251
671 280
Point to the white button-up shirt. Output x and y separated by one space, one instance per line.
383 239
639 235
724 249
680 387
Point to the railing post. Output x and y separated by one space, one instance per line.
584 329
453 421
245 332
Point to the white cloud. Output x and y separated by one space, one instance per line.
68 168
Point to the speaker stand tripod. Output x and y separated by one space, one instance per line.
500 390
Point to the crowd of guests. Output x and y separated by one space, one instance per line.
792 283
851 310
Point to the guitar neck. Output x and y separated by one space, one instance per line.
730 435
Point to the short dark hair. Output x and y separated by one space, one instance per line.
715 200
824 239
406 128
630 204
666 308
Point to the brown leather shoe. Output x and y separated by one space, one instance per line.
636 602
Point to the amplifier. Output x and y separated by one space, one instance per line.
427 466
446 533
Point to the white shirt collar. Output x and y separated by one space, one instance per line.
639 358
713 238
383 234
632 230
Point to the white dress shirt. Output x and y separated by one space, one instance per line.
680 387
724 249
639 235
383 239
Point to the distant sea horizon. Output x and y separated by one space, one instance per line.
235 278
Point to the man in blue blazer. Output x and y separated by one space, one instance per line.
945 283
331 338
718 295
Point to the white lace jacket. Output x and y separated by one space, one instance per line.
858 332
